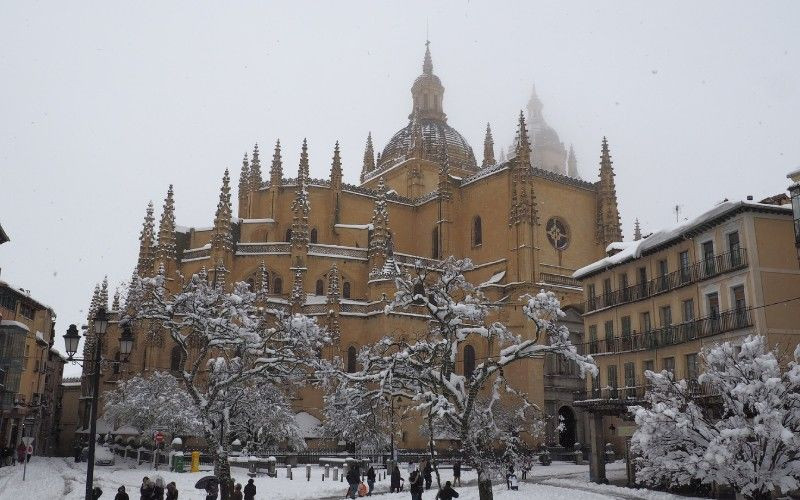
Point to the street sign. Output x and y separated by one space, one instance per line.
27 440
159 437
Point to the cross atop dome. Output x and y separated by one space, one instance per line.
428 91
427 65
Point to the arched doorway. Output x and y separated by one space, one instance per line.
567 436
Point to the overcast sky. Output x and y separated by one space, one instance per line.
102 105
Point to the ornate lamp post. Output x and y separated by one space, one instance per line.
71 340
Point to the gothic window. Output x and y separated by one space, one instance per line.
346 290
313 235
557 233
289 235
319 288
115 366
469 361
477 233
435 243
176 359
277 286
419 290
351 359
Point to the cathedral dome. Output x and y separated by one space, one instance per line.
439 141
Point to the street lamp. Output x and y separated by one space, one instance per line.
71 340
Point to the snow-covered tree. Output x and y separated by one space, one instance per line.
354 418
228 341
261 416
751 443
156 402
464 406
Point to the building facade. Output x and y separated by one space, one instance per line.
655 303
327 248
31 369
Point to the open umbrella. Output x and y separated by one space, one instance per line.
205 481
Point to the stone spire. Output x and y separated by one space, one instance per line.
488 148
416 149
166 254
336 169
333 285
103 296
221 238
244 178
369 158
263 278
427 64
523 201
115 303
378 242
255 170
276 170
298 295
301 206
637 230
147 244
608 225
572 164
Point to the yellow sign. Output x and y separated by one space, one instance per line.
195 461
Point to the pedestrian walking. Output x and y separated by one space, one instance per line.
352 481
121 495
447 493
427 472
172 491
457 472
370 479
158 489
415 485
212 490
237 492
250 490
146 489
396 480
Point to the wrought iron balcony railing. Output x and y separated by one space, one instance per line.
705 269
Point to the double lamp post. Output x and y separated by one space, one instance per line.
71 340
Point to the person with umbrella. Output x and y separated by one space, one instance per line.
211 485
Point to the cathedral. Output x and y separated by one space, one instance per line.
329 249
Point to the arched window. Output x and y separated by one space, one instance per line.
176 359
277 286
477 233
116 365
469 361
319 288
314 235
288 235
435 243
351 359
346 290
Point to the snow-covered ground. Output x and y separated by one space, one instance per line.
51 478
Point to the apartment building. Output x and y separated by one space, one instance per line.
655 303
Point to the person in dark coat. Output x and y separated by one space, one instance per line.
370 479
250 490
457 472
237 492
427 472
415 485
447 493
158 489
146 489
172 491
396 480
121 495
212 490
352 480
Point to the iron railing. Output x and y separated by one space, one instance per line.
702 270
673 334
638 392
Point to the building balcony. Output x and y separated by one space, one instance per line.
699 271
671 335
635 394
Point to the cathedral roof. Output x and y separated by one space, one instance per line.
440 141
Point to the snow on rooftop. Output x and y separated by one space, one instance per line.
9 322
631 250
494 279
354 226
257 221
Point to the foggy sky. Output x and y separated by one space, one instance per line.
102 105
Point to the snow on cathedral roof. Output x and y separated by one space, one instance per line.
628 251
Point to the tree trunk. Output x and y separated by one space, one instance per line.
432 451
484 486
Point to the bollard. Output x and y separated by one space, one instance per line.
323 478
308 472
289 471
327 470
336 474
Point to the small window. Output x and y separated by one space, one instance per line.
346 290
351 359
609 330
691 367
115 366
668 364
277 286
688 310
289 235
593 339
435 243
319 288
314 235
469 361
477 233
